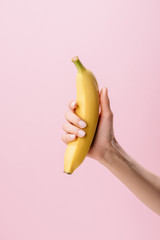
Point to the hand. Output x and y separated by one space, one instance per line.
104 135
105 148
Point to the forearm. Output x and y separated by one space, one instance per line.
144 184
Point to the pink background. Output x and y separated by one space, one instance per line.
119 42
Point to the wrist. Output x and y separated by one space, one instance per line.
112 150
116 156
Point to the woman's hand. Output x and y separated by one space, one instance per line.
104 135
104 148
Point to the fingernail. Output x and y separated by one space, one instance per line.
81 133
82 124
72 136
73 104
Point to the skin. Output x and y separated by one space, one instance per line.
108 152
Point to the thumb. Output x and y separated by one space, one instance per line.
105 102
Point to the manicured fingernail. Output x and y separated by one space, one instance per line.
73 104
72 136
82 124
81 133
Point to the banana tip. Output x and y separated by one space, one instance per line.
67 173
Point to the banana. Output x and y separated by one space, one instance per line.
88 110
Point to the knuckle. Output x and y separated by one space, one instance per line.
65 126
70 104
68 115
63 138
109 115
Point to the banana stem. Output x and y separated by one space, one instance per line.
78 64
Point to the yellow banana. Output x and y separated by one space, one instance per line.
88 110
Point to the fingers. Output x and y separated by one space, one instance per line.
105 104
73 105
105 98
66 138
72 132
74 119
73 126
70 128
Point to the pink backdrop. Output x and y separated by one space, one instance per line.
119 42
